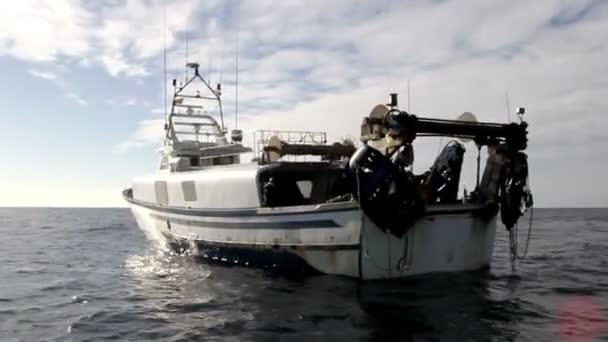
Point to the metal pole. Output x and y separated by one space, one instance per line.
165 58
236 107
478 165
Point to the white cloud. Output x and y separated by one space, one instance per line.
120 36
76 98
47 75
134 31
148 132
116 64
41 30
125 100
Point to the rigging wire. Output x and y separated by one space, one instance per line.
165 58
409 109
236 89
209 69
439 145
508 106
186 79
222 49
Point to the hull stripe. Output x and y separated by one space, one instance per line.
488 210
264 247
245 212
315 224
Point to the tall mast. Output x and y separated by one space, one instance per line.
508 106
409 100
165 59
186 79
236 90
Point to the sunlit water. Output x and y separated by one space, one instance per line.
91 274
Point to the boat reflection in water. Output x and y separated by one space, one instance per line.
194 299
438 307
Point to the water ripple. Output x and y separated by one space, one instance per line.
87 274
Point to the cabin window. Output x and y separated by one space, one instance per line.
195 162
305 187
224 160
189 191
164 163
160 188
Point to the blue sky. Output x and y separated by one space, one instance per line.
83 81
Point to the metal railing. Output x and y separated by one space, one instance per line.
262 137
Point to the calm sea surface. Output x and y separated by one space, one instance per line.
91 275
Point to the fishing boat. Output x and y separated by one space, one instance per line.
354 209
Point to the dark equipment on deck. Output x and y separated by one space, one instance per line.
391 195
444 176
386 193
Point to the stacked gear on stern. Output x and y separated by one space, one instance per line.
392 196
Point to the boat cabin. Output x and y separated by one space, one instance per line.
194 139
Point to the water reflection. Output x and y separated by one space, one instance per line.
445 307
199 299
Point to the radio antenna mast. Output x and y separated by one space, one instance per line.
186 80
236 90
223 47
508 106
409 109
165 56
223 64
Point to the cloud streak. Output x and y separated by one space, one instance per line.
76 98
148 132
45 75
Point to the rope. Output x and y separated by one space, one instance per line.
514 241
529 234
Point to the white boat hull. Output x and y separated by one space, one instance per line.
334 239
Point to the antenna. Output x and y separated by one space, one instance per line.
223 35
236 90
221 64
409 109
221 67
508 106
165 56
186 50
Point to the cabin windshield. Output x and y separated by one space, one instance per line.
201 129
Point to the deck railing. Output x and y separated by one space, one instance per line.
262 137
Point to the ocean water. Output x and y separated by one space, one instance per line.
91 275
